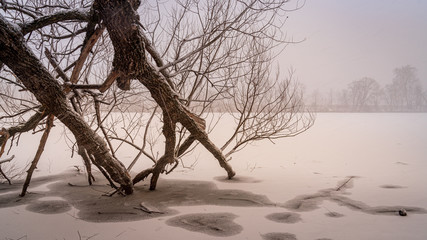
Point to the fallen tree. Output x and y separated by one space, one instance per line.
226 61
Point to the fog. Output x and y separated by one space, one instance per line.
348 40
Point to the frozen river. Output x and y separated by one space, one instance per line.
379 159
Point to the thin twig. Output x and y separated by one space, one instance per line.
345 183
144 209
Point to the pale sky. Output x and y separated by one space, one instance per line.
347 40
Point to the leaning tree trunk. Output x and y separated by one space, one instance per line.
122 23
19 58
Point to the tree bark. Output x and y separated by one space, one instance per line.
168 101
17 56
169 126
122 23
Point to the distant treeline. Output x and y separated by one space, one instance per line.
405 93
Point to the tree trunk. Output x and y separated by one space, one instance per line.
121 20
17 56
169 126
122 23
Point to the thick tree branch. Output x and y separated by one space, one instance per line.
19 58
31 123
84 54
74 14
7 160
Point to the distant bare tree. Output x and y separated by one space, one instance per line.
179 63
363 93
316 100
405 92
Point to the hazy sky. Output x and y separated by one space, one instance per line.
350 39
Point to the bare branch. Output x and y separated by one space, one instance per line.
39 152
74 14
7 160
84 54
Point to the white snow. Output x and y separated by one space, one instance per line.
385 151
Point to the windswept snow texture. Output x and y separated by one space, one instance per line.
346 178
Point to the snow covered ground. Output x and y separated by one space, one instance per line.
346 178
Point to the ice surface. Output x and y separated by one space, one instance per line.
346 178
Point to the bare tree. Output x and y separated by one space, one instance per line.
179 64
363 93
265 109
316 100
405 92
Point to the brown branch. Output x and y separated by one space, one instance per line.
4 175
83 153
158 59
110 80
1 171
31 123
74 14
141 150
73 34
6 136
84 54
345 183
73 63
39 152
7 160
142 175
145 209
34 75
56 65
83 86
102 170
173 168
20 112
169 157
185 145
215 39
99 120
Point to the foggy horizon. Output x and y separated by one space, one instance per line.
345 41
